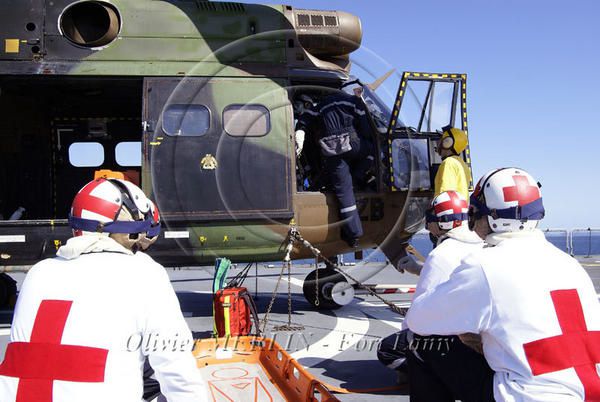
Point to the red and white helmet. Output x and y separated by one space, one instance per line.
449 209
511 199
114 206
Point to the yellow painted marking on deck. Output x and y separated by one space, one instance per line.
155 143
11 45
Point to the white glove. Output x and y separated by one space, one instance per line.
409 264
300 134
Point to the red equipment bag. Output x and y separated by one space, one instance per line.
235 312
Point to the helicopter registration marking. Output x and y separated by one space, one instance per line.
177 235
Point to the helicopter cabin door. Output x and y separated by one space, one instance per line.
218 148
424 104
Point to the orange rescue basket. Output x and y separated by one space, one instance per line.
249 368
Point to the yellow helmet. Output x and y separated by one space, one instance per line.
454 138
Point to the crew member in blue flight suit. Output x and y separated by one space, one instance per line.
347 151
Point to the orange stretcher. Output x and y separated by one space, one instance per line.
256 369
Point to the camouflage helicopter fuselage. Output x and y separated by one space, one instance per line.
204 90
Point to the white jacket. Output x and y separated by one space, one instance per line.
451 248
537 312
114 308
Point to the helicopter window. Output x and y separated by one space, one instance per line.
246 120
411 164
412 105
427 106
379 111
439 108
129 153
86 154
186 120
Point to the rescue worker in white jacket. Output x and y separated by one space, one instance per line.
534 306
447 220
86 320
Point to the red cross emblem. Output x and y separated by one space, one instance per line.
456 204
521 192
576 347
44 359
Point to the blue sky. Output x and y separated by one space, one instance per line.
534 82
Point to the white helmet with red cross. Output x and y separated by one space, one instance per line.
510 198
449 209
114 207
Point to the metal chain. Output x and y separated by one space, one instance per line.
286 264
265 319
289 326
317 253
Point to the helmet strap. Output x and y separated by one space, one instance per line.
90 225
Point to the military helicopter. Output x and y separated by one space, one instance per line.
193 101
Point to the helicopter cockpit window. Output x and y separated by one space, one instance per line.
86 154
378 109
427 105
411 164
246 120
186 120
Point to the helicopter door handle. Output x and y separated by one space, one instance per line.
148 126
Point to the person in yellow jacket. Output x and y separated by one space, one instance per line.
453 174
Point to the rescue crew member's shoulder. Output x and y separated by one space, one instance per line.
150 266
461 304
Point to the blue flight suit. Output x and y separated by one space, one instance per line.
348 152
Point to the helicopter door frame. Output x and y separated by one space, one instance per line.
218 148
418 144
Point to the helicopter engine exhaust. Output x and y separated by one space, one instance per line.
328 33
90 23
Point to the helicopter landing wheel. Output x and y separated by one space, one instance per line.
333 292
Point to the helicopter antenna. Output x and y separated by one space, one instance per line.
377 83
